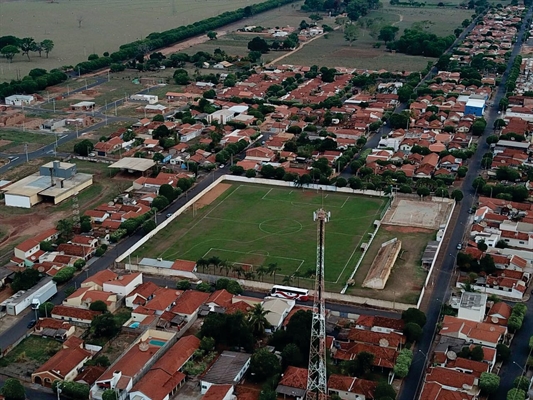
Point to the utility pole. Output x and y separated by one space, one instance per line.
317 388
26 151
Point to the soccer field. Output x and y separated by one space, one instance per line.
258 225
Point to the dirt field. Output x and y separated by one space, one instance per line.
105 25
415 213
407 276
212 195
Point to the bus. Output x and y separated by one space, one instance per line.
289 292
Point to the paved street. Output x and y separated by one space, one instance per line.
412 383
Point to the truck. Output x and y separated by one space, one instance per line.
34 297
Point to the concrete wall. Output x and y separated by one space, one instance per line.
160 271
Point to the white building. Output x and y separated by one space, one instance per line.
124 284
472 306
278 309
19 100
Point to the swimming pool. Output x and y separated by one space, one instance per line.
159 343
135 325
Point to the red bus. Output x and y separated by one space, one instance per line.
289 292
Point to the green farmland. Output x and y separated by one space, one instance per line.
254 225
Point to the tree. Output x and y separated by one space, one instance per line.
492 139
79 264
516 394
149 225
109 394
350 33
236 170
258 44
514 323
388 33
488 382
413 332
457 195
83 148
104 325
212 35
414 315
360 365
250 173
25 279
291 355
160 202
502 352
47 45
481 245
45 309
183 285
26 45
273 269
98 305
13 390
461 172
423 191
167 191
46 245
181 77
9 52
65 274
257 320
228 330
383 389
478 127
477 354
521 382
264 364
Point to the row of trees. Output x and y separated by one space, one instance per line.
12 45
419 43
157 40
38 79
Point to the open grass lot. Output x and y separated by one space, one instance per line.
407 276
259 225
13 141
105 26
33 349
332 50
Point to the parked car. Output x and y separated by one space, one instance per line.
31 324
169 215
459 246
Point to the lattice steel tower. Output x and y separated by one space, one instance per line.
317 388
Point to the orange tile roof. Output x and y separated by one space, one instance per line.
73 312
477 367
434 391
163 298
35 241
217 392
64 361
184 265
51 323
452 326
376 338
294 377
450 377
221 298
353 385
100 277
124 280
145 289
189 302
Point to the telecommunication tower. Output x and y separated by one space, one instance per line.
316 376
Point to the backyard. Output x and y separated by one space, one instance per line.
257 225
29 355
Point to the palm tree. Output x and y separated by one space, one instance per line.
249 275
261 271
237 269
225 265
287 280
215 262
272 269
257 319
202 263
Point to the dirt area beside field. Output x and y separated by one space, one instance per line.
212 195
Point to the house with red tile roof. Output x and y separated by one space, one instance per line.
380 324
293 383
348 388
84 297
134 364
165 377
476 332
188 303
96 281
74 314
346 351
63 366
141 295
436 391
29 247
123 285
51 327
220 392
453 380
163 299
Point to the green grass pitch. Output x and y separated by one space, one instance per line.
259 225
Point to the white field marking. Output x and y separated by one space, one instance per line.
349 259
266 194
345 201
200 220
255 253
291 192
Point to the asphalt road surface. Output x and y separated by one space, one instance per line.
412 383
